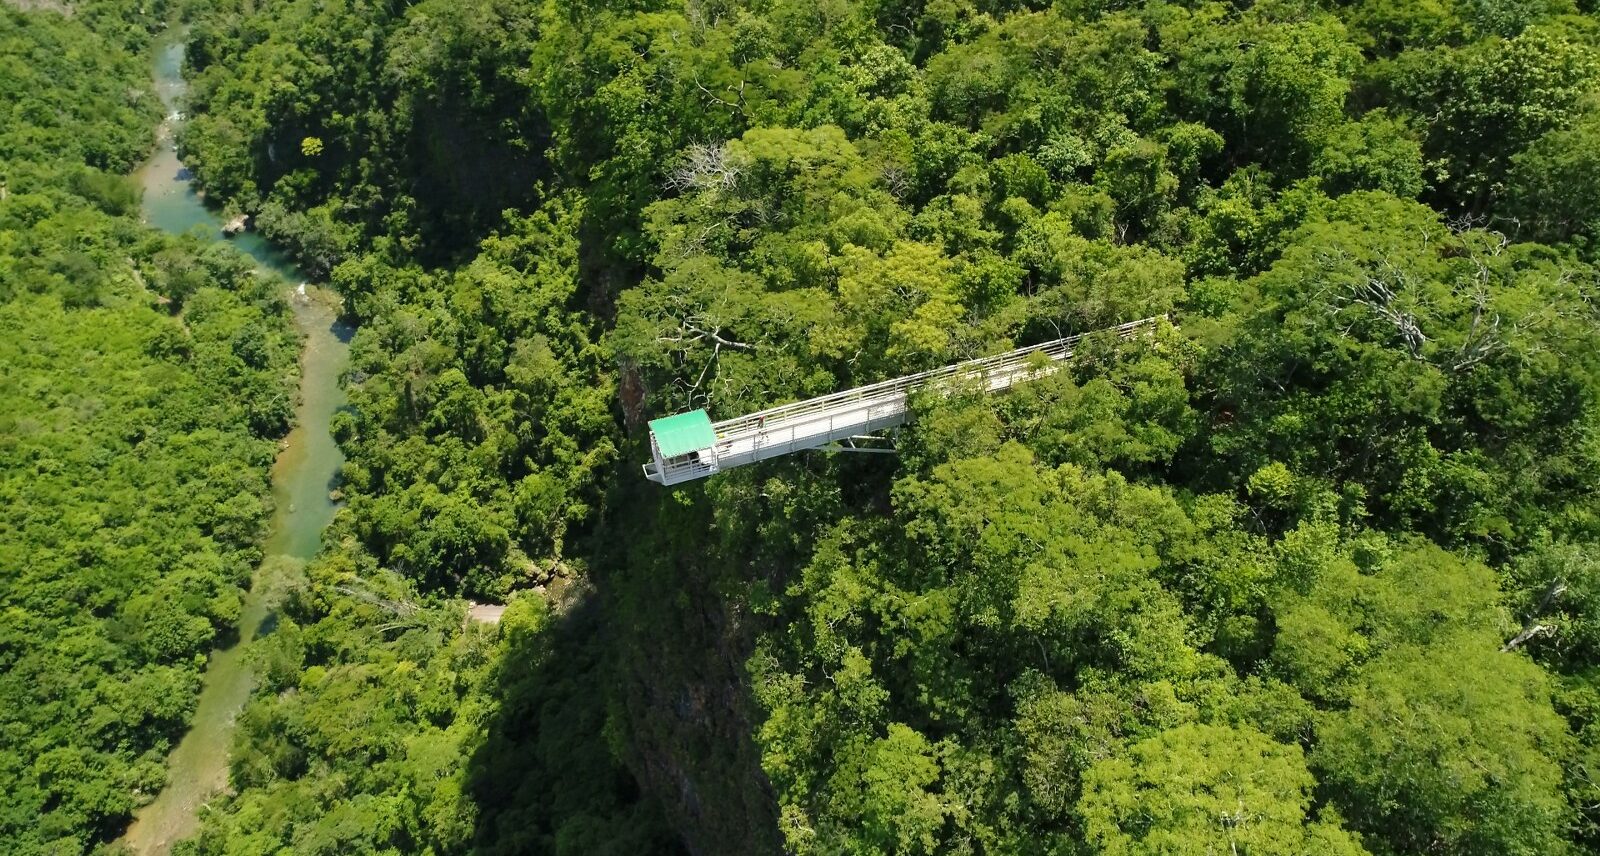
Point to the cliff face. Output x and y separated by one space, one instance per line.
692 726
683 637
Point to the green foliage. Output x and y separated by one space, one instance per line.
1271 82
1552 188
1449 748
414 121
1202 789
144 381
1490 100
483 422
386 727
1240 585
76 96
1374 153
1386 352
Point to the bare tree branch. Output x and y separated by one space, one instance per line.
1534 628
1377 294
690 332
705 166
1527 633
736 106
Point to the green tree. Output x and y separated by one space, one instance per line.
1490 101
1552 188
1207 789
1273 99
1448 748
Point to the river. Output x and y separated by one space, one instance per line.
304 472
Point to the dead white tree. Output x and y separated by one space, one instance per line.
692 325
1377 293
898 180
1535 628
1483 336
696 327
402 613
1489 333
705 166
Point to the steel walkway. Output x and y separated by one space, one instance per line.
835 418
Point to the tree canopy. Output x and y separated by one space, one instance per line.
145 380
1308 569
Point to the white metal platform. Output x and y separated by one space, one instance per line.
830 419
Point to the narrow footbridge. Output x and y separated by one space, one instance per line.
690 446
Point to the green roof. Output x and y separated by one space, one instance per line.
684 433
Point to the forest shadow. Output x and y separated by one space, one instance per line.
623 722
547 777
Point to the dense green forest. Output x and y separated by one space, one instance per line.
143 379
1311 569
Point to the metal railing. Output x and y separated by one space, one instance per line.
1011 361
678 470
868 407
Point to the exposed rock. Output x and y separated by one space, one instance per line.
487 613
236 225
60 7
692 717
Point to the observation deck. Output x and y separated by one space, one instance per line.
690 446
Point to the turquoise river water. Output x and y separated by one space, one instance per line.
302 476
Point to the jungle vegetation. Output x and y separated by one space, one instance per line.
1310 570
143 382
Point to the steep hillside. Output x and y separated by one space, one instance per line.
144 382
1309 571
